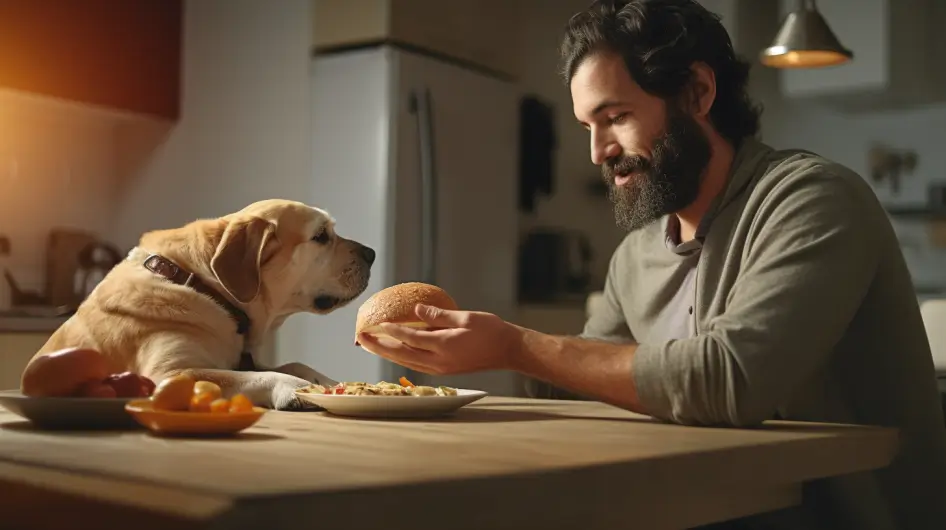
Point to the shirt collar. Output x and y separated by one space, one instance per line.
748 157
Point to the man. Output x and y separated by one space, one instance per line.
753 284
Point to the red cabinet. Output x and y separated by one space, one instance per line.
121 54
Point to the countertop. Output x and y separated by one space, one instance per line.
23 324
498 463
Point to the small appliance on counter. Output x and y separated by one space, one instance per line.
95 261
76 261
29 302
554 266
63 246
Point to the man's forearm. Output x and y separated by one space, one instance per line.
597 369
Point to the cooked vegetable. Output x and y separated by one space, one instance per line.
383 388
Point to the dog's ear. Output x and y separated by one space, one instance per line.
246 244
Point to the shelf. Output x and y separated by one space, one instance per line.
920 212
929 290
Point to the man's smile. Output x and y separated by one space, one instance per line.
621 180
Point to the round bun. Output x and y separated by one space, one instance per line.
62 373
396 304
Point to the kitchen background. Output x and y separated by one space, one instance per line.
122 116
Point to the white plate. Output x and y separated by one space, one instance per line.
392 406
69 412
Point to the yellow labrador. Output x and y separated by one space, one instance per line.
201 298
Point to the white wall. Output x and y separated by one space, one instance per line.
57 169
244 128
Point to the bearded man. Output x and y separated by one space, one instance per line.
753 283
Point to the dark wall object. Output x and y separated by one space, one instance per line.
554 264
537 143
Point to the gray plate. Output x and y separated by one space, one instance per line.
70 413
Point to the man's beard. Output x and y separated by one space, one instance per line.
668 182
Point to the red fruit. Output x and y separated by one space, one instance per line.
62 372
127 385
96 389
148 385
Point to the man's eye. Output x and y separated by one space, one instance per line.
321 237
618 119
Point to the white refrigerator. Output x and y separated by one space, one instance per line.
417 158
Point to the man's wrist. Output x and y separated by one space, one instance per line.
516 347
527 346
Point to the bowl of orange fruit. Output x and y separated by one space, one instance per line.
183 405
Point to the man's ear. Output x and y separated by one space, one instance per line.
246 244
701 92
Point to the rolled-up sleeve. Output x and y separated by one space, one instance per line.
808 264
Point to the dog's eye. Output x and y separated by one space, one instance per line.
321 237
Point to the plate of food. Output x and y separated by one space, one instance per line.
73 389
394 304
388 400
182 405
74 413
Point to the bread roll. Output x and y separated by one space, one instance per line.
63 373
396 305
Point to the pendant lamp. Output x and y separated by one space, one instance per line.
805 41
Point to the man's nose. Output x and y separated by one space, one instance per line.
603 147
366 253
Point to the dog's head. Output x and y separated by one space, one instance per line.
284 255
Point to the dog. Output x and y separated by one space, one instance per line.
200 299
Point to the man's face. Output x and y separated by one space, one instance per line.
652 155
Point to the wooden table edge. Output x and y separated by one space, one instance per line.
479 504
158 505
28 488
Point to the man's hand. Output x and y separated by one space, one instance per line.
461 342
468 341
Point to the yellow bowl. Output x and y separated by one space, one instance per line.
191 423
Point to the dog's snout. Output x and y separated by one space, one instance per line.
367 254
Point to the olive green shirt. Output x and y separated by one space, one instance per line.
804 310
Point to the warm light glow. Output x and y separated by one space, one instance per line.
804 59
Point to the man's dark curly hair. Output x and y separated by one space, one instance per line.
659 41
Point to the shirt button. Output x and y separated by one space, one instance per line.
691 310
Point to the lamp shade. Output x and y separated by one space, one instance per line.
805 41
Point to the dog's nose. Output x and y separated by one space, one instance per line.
367 254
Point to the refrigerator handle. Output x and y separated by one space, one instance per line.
420 106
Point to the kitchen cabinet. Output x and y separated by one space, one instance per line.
122 57
478 33
16 350
894 65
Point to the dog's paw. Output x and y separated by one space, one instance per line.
303 371
284 395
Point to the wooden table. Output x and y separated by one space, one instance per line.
499 463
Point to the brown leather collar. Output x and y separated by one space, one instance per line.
177 274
